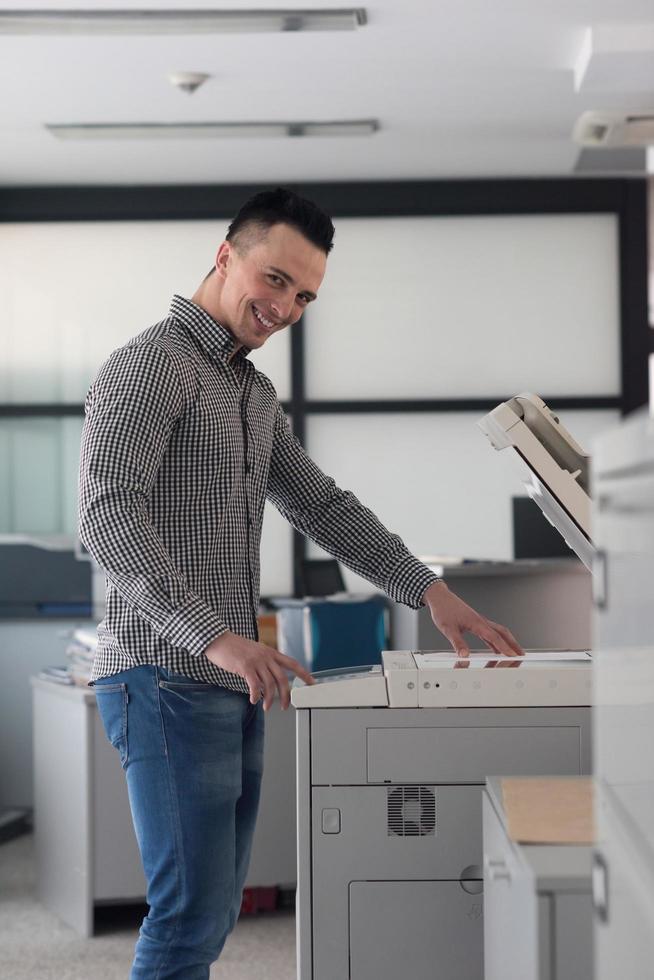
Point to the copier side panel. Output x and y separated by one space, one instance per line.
454 745
385 833
390 920
440 753
351 794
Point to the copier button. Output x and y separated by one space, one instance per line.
331 821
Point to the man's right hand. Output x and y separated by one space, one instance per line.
263 668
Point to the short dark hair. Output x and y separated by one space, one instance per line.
282 206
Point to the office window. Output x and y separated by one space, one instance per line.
70 292
39 460
455 307
38 487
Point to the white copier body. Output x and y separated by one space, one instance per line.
391 762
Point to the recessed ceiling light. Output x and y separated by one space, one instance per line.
37 21
211 130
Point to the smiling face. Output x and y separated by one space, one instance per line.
265 282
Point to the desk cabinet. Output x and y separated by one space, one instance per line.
86 850
537 904
26 647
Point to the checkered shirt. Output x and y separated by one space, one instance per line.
181 446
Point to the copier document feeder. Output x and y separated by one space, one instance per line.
392 759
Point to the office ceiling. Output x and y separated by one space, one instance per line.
481 88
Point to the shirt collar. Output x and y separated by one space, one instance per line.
212 336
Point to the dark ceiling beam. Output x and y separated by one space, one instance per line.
368 198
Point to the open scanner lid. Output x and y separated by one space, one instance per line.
558 468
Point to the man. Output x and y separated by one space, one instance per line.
183 442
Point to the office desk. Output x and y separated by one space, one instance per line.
86 851
538 917
26 647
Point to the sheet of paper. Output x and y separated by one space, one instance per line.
487 659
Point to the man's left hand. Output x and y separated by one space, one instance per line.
453 617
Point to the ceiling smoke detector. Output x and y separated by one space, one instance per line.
188 81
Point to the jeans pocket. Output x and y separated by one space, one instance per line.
112 705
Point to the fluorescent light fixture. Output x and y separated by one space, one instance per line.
179 21
211 130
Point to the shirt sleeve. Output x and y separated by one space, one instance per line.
131 411
337 521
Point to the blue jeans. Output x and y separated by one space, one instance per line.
193 755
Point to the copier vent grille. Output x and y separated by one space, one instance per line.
411 811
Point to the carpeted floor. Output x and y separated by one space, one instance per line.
35 945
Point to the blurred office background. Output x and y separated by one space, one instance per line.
480 251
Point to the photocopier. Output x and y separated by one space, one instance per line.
392 759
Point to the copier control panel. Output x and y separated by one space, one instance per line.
355 687
437 679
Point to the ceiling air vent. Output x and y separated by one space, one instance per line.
411 811
612 129
211 130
